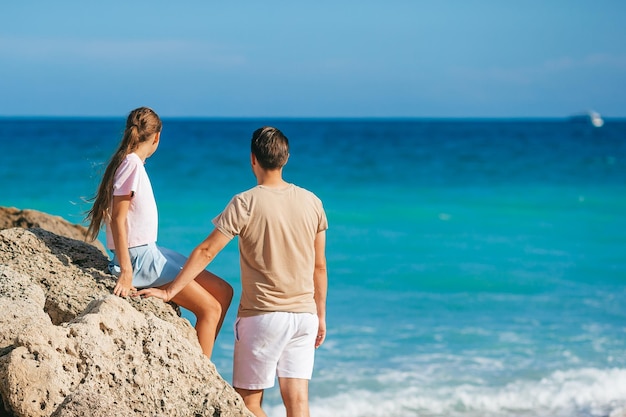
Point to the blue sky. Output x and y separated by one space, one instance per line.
547 58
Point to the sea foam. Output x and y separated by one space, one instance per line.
585 392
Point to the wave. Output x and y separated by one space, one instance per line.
585 392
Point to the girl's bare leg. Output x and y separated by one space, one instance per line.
208 307
220 289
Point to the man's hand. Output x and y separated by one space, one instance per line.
153 292
321 334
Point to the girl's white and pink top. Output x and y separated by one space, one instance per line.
142 222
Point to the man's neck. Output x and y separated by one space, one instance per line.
271 178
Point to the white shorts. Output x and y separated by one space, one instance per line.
273 344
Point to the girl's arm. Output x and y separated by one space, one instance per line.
119 214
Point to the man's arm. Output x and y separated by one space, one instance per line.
199 259
320 282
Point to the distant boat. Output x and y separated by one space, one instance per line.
590 117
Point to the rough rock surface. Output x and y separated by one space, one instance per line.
27 219
68 347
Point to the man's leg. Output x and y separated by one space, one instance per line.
295 393
252 399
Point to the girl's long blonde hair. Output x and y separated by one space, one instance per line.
141 124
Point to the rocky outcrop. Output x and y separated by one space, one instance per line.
13 217
68 347
27 219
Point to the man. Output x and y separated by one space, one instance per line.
281 318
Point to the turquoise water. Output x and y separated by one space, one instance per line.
476 268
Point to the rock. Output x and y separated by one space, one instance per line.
69 348
117 361
27 219
21 305
70 272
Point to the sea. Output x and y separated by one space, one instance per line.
477 267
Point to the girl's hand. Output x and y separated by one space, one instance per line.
124 286
153 292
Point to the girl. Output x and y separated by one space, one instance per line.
126 204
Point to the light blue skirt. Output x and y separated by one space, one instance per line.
153 265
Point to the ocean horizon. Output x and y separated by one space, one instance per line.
476 266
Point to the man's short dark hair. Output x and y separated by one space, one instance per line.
270 147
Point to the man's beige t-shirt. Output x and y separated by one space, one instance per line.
277 230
